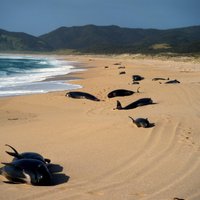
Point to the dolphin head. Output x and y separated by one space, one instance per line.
42 176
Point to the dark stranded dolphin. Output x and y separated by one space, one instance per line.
27 155
81 95
135 104
121 93
142 122
30 171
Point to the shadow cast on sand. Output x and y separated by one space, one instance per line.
57 177
151 125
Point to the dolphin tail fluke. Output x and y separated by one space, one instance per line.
132 119
14 154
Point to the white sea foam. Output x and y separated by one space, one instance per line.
19 92
28 81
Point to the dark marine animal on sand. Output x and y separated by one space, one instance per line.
135 104
137 78
160 79
172 82
81 95
142 122
27 155
121 93
30 171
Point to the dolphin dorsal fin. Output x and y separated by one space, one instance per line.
119 106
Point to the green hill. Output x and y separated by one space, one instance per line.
13 41
105 39
113 39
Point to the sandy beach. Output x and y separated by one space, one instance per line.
102 154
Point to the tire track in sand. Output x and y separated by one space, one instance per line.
132 164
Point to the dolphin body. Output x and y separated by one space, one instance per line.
81 95
30 171
135 104
27 155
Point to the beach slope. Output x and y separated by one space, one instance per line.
99 152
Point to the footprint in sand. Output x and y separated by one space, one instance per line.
96 193
187 138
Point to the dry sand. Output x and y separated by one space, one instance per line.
103 155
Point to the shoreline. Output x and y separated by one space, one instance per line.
56 83
99 149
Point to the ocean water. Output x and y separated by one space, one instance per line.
22 75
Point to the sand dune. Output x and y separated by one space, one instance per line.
102 153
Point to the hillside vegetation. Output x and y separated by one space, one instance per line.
13 41
105 39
